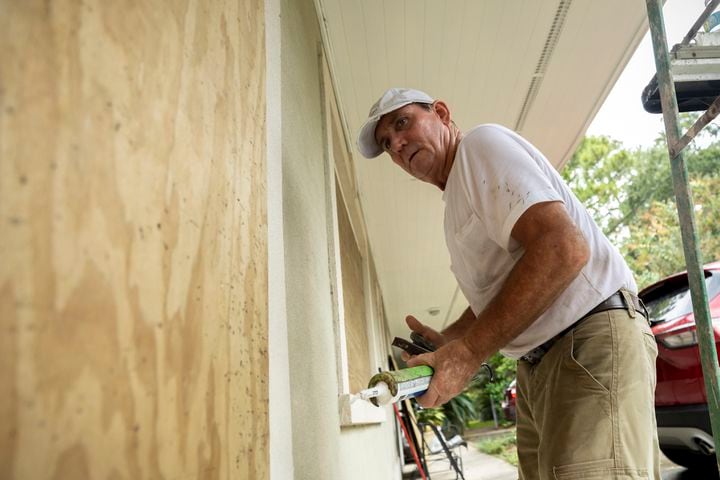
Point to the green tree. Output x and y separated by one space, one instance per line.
654 246
615 183
630 195
597 173
481 392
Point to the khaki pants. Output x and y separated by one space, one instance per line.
586 410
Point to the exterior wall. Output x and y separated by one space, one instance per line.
311 345
133 276
321 448
280 417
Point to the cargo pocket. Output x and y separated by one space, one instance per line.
596 470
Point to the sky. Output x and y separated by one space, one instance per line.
622 116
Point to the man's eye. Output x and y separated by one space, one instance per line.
401 122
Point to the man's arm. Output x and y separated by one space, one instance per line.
555 253
460 327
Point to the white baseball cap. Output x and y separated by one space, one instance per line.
390 101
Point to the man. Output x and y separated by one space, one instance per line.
545 286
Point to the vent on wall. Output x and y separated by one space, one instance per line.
550 42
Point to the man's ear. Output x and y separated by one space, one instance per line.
443 111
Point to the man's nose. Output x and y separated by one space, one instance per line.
397 142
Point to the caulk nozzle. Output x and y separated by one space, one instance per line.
380 390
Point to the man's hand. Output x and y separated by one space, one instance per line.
436 338
454 364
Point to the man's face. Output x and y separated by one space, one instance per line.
417 140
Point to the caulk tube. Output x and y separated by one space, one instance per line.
397 385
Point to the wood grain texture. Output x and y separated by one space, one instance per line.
133 240
353 284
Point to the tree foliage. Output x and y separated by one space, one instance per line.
504 371
629 193
455 414
654 243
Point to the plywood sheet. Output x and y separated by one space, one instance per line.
356 331
133 284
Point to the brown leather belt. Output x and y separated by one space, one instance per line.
616 301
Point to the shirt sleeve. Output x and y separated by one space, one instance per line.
501 179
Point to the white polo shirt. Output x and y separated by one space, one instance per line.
496 176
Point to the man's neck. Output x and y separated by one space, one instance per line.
455 138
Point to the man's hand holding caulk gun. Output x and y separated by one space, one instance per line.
393 386
453 363
545 286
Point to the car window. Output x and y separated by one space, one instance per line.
676 301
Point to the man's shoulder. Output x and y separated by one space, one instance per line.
489 127
486 132
480 148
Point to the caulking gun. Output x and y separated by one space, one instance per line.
396 385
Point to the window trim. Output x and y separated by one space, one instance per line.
351 412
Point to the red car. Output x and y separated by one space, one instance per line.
680 399
508 403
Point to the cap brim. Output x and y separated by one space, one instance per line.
366 140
